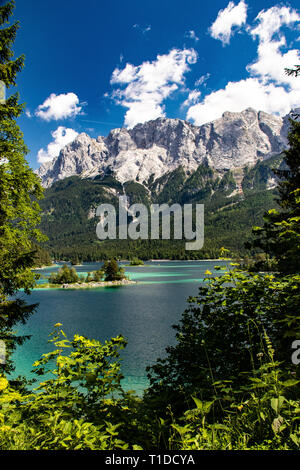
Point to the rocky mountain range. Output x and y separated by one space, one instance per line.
155 148
227 165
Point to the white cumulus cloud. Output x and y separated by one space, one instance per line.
57 107
271 62
267 87
270 21
237 96
61 137
232 16
149 84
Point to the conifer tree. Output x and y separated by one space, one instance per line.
295 71
279 238
19 191
112 271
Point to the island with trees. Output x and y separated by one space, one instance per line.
110 274
136 262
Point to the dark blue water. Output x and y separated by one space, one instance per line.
143 313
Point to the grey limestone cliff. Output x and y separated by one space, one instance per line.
158 147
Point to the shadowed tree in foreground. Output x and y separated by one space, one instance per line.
19 190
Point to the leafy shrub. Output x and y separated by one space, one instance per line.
65 275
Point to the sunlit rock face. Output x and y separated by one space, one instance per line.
157 147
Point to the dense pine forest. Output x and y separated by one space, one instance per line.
228 219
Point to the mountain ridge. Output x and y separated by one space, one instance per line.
152 149
69 211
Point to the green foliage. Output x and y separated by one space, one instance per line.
19 190
224 353
95 276
80 405
263 414
89 370
280 235
65 275
136 262
137 193
172 183
41 256
75 261
98 275
258 176
68 275
112 271
220 334
224 360
78 408
199 186
19 186
295 71
69 212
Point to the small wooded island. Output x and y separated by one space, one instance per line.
110 274
136 262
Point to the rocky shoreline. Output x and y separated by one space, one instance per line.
91 285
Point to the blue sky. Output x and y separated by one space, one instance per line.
92 66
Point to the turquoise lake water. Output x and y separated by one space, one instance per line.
144 313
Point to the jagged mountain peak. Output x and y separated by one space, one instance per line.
156 147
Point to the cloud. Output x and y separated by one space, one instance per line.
232 15
191 35
270 21
143 30
202 79
28 113
271 62
126 75
57 107
61 137
149 84
237 96
193 97
267 87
